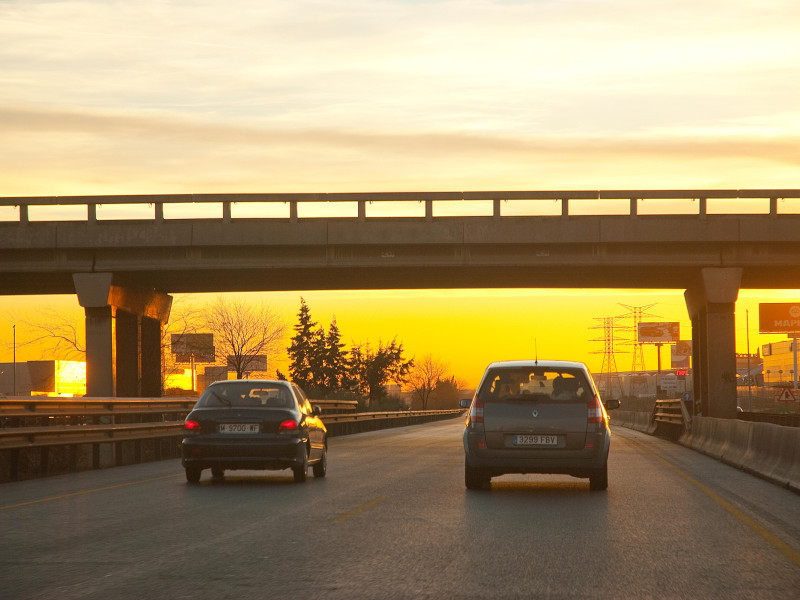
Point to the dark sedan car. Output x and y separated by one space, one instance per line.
254 424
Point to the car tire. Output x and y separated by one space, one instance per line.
301 471
475 479
321 466
598 481
193 474
217 473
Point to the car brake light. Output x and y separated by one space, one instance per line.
595 414
193 426
476 412
288 426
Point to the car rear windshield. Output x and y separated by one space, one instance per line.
534 383
241 394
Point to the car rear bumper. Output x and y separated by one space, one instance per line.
241 454
579 463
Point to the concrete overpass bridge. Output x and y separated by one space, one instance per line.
124 270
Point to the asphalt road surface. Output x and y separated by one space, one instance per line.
393 520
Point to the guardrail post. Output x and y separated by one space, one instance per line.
23 213
226 212
496 207
362 210
429 210
634 207
773 207
293 211
159 210
564 207
91 212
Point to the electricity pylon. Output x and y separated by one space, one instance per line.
636 314
609 371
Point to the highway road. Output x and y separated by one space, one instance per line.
393 520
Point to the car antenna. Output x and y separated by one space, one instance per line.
536 351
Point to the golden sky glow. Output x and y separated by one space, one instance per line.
112 97
469 328
104 96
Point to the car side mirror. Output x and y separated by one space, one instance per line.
612 404
464 403
317 411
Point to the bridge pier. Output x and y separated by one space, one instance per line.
711 305
123 336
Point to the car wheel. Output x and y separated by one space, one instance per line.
598 481
193 474
321 467
217 473
301 471
475 479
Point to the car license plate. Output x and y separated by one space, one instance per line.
535 440
238 428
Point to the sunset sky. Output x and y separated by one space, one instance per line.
109 97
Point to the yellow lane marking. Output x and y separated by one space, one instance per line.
359 509
790 553
84 492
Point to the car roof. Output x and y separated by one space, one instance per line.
547 364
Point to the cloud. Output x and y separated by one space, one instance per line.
104 96
118 153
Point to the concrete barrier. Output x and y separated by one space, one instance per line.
762 449
638 420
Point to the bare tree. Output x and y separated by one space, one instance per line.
55 331
424 378
244 331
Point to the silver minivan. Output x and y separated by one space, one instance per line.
537 417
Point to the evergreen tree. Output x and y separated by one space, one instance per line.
335 365
301 351
373 369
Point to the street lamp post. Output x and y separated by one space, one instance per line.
14 366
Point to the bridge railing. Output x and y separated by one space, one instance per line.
46 436
495 200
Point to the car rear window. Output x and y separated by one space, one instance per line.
534 383
242 394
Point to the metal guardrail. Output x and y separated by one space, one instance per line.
92 433
669 411
396 414
53 407
157 201
39 437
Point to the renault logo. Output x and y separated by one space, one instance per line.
535 413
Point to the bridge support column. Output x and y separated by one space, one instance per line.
711 304
123 336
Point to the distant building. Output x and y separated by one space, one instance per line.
778 360
43 378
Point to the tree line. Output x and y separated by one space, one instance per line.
319 361
321 364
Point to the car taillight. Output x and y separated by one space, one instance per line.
193 426
476 412
288 426
595 411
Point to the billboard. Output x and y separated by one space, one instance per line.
681 354
197 345
659 333
779 317
257 362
